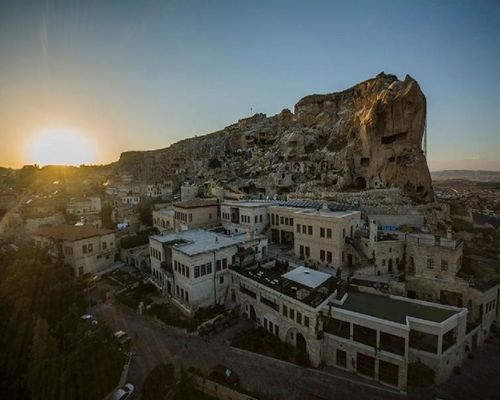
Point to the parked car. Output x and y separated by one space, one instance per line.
226 374
122 337
125 392
90 318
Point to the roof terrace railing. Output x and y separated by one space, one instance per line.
433 241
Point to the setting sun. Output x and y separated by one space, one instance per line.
60 147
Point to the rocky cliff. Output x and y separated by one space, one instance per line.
368 136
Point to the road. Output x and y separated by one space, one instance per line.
156 343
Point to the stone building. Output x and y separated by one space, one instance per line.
163 219
378 337
86 210
192 267
432 272
197 213
317 235
85 248
245 216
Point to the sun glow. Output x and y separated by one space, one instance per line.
60 147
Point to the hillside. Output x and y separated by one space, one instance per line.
368 136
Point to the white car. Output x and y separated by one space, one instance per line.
90 318
122 337
125 392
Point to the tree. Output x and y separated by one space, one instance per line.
48 352
158 382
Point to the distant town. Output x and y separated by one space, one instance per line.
214 282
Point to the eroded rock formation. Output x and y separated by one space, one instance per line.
368 136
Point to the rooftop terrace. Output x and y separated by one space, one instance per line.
198 241
394 309
274 278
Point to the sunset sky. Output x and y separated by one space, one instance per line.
113 76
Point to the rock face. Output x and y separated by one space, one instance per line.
366 137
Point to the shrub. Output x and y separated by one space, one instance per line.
158 382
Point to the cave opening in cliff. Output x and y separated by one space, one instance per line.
392 138
360 183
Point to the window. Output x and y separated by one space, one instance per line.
84 249
365 335
80 271
299 318
260 218
221 280
291 221
322 255
329 233
310 230
291 313
341 360
286 220
277 219
218 265
282 220
430 263
338 327
256 220
298 228
187 271
328 256
322 232
306 321
383 262
224 263
392 343
285 311
444 265
203 269
272 219
304 228
209 268
308 251
104 245
423 341
191 217
343 233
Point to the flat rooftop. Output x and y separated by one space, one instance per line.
249 203
393 309
325 213
198 241
72 232
294 203
165 211
307 277
196 203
